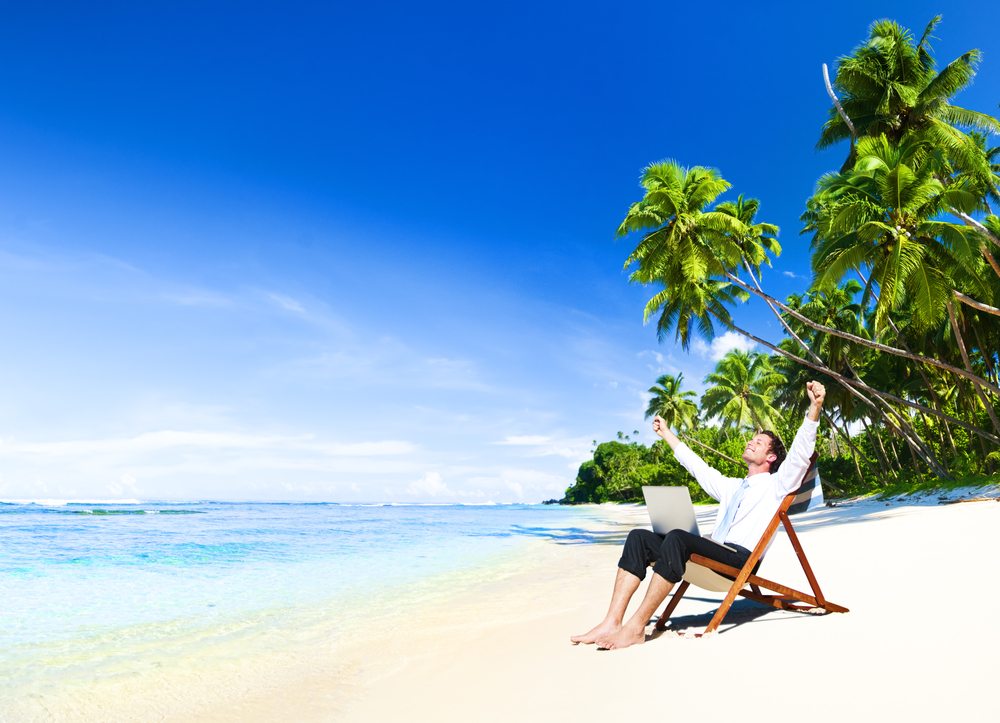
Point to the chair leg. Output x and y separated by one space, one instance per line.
661 623
806 567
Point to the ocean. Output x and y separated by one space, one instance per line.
102 591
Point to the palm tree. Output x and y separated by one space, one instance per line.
889 85
742 391
692 253
675 252
675 406
755 240
883 215
834 307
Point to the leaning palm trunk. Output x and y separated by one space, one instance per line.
860 340
934 399
855 452
990 258
883 397
901 340
916 444
879 450
978 305
886 412
986 356
968 365
970 221
711 449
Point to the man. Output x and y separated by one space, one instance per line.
745 508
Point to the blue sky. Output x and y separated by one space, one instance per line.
366 252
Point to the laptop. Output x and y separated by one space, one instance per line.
670 508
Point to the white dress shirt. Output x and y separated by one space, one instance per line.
765 491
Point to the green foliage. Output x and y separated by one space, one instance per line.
741 393
619 470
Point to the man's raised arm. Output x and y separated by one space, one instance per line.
790 473
708 477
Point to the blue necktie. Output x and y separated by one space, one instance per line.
722 528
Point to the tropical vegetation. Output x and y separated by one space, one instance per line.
901 319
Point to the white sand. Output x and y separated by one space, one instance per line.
920 643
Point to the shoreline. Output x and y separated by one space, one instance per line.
205 673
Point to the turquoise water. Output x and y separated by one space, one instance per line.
82 582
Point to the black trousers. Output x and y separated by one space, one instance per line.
669 553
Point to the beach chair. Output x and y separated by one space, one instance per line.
718 577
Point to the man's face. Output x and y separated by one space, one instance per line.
758 450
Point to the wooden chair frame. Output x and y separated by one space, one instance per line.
786 597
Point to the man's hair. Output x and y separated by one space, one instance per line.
776 447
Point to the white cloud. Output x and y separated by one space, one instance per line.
203 465
430 485
519 483
575 449
517 488
792 275
657 365
722 345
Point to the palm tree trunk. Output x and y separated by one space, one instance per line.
879 450
855 452
982 447
857 382
969 301
711 449
859 340
824 367
970 221
895 453
968 365
991 370
989 257
951 438
901 340
901 428
911 436
843 115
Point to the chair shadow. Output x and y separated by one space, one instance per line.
742 611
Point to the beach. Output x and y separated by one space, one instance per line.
919 642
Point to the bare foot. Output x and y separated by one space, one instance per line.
624 638
603 630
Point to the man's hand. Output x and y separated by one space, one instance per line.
817 393
663 431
